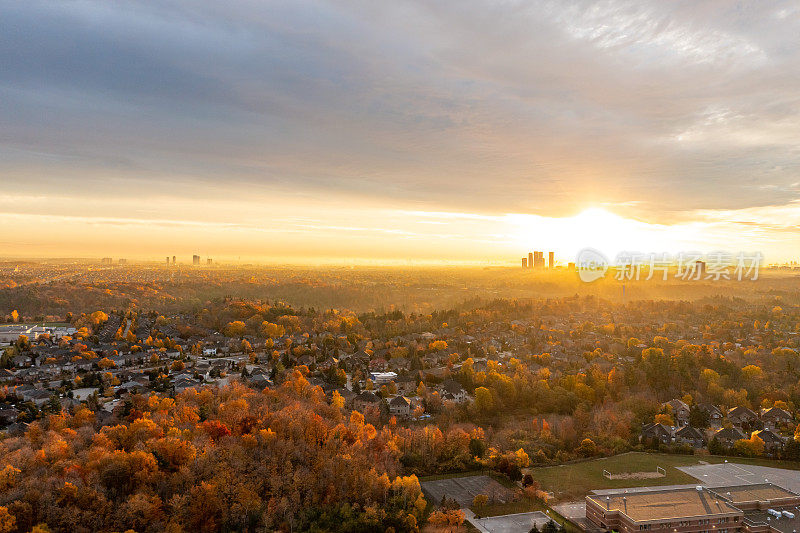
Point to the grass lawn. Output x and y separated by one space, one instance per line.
573 481
435 477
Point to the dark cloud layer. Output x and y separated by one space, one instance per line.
490 106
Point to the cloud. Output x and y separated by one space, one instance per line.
471 106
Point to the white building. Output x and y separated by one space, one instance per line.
380 378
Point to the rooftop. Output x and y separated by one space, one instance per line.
783 524
764 492
666 504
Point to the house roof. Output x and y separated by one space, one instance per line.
730 434
768 436
367 396
688 432
776 413
656 429
452 386
399 401
710 408
678 404
740 411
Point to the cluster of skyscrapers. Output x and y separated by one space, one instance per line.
536 260
195 260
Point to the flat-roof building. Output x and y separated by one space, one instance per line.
755 508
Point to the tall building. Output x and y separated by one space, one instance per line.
208 261
699 269
551 263
524 262
530 259
173 260
106 261
196 260
167 260
538 259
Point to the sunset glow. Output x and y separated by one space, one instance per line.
411 134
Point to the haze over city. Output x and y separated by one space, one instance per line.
411 132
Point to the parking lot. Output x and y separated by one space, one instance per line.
738 474
464 489
510 523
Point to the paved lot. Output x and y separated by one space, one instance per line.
738 474
571 510
464 489
510 523
575 512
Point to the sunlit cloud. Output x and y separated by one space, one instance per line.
456 130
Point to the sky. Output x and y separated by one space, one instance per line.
459 131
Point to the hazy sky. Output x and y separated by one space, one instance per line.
458 130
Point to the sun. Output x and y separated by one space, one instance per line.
594 227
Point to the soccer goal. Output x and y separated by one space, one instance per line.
607 474
661 471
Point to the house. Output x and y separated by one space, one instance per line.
16 428
728 436
657 433
260 380
38 397
690 436
713 413
69 404
381 378
455 389
365 400
22 361
400 406
377 364
347 395
773 442
775 416
8 415
398 364
680 412
183 382
407 384
131 386
742 416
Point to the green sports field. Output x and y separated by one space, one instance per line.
573 481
